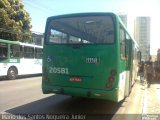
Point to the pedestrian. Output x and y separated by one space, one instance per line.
141 71
157 70
149 72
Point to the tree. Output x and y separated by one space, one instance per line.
14 20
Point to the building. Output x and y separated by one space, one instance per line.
142 36
36 39
153 58
124 19
158 54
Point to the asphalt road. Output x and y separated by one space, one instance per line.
24 96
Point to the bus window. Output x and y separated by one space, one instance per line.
14 51
92 29
122 43
28 52
3 51
38 53
73 39
21 52
57 37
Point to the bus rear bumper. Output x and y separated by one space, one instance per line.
83 92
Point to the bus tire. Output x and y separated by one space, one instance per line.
12 73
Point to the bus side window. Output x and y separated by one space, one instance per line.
128 45
38 53
122 43
28 52
14 51
21 52
3 51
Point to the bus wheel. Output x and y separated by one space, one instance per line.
12 73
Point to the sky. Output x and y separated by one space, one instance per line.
39 10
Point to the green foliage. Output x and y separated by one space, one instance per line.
14 20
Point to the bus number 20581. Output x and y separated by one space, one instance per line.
58 70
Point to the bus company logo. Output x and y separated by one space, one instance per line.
49 59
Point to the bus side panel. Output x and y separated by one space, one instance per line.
30 66
3 69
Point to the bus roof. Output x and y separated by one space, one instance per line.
80 14
19 43
30 45
9 42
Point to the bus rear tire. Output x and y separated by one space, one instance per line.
12 73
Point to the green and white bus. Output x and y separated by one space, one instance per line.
17 58
89 55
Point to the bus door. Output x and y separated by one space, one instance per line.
129 64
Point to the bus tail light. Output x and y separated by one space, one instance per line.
110 82
113 72
111 79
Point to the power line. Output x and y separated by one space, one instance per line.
41 7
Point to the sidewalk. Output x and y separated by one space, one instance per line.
142 104
151 101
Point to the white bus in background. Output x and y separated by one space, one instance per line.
17 58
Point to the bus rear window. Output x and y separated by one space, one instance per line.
81 30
